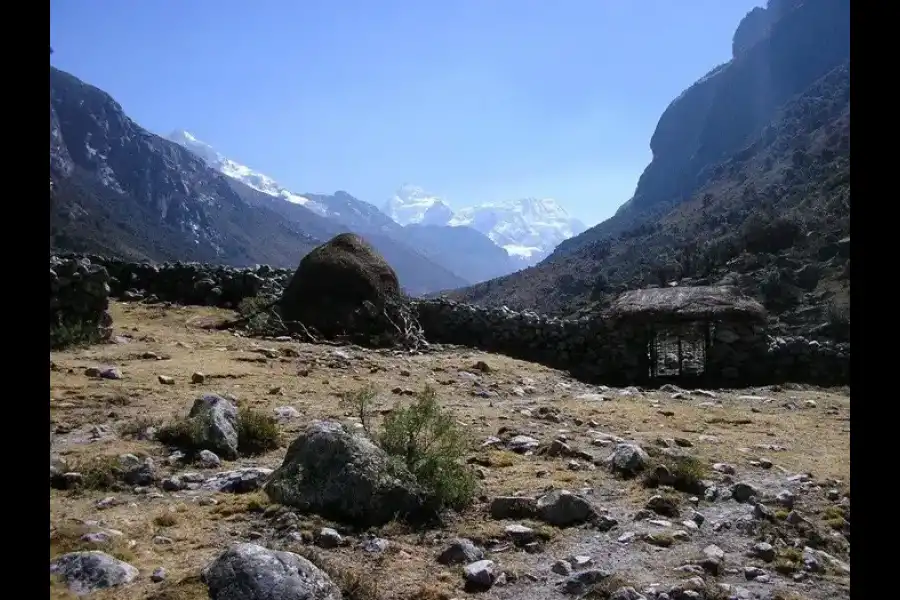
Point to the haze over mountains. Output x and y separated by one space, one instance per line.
118 189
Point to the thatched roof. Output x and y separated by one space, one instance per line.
687 303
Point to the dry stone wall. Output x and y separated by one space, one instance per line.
590 348
79 299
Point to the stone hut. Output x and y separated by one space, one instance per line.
690 334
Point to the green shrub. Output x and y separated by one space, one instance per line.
257 432
361 405
74 334
432 446
686 473
185 434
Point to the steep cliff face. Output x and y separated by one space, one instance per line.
756 149
789 46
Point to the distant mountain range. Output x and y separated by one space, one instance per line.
118 189
528 229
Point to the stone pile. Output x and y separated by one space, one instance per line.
79 299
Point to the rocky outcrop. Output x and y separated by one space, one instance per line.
79 299
344 476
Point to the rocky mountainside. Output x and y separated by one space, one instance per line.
465 252
749 184
528 229
118 189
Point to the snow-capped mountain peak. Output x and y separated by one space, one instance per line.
413 205
254 179
527 228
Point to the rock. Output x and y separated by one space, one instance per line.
519 534
663 505
345 476
460 551
580 583
86 572
158 575
513 507
208 460
239 481
713 559
562 567
480 575
287 412
742 492
522 444
216 420
627 459
626 593
763 551
562 508
251 572
198 377
136 471
328 538
166 380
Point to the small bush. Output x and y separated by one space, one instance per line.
257 432
165 519
185 434
432 447
74 334
685 473
353 586
360 402
102 473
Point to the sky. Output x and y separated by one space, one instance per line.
473 100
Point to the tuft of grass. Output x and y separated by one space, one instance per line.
685 473
788 560
432 446
189 588
101 473
604 590
67 537
257 432
353 585
166 519
256 502
184 433
136 428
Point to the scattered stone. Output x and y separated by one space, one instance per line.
461 551
627 459
522 444
579 583
166 380
86 572
328 538
513 507
158 575
208 460
562 567
562 508
251 572
480 575
666 506
742 492
763 551
198 377
713 559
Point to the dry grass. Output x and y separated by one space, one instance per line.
314 379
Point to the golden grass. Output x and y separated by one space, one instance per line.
312 379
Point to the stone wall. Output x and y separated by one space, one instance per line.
590 348
79 299
191 283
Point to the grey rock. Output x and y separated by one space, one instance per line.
460 551
217 420
252 572
580 583
239 481
328 538
513 507
627 459
480 574
342 475
563 508
86 572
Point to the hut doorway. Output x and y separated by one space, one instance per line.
679 352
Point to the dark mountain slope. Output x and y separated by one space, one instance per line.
770 214
121 190
463 249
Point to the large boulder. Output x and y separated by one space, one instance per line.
344 476
217 423
336 280
251 572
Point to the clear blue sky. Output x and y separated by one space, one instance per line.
474 100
